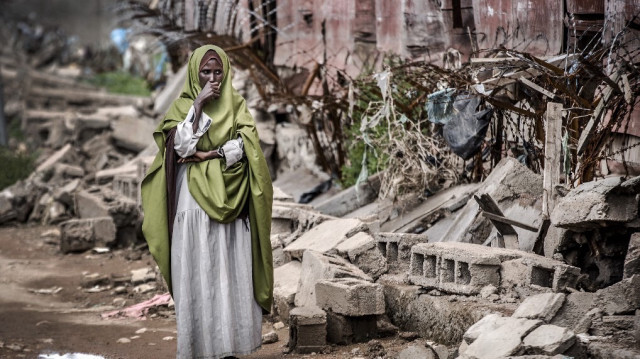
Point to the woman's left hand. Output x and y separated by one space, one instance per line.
199 156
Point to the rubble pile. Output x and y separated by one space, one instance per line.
480 293
92 155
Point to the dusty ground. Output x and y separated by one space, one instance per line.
69 321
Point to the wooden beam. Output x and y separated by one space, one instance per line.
508 233
540 89
552 157
506 220
595 117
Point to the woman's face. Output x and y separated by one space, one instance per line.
211 71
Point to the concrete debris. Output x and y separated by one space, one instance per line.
351 198
308 330
83 234
142 275
632 260
488 323
342 329
417 352
517 191
270 338
549 339
622 297
285 286
318 266
396 248
596 202
504 341
349 296
540 306
363 251
325 237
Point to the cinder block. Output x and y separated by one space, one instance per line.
534 270
286 279
396 248
308 330
456 267
352 297
345 330
127 186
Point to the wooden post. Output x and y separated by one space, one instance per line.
552 156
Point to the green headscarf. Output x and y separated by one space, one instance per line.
222 193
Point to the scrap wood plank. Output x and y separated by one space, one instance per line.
506 220
536 87
595 117
506 230
552 157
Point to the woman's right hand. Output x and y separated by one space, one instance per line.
210 91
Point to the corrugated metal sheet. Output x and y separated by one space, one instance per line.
534 26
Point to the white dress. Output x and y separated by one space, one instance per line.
216 312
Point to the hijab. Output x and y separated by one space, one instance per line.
221 193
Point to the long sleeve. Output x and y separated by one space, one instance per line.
185 139
233 151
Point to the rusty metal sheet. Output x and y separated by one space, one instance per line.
534 26
585 6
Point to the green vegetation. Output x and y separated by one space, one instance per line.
121 82
15 166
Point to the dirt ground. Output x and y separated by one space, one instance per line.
69 321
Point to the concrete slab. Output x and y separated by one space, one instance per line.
592 203
285 285
632 260
504 341
620 298
549 339
325 237
541 306
488 323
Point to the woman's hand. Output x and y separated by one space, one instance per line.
199 156
210 91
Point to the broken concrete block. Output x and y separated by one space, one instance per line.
89 204
592 203
142 275
504 341
534 270
417 352
128 169
65 170
456 267
632 260
549 339
620 298
280 195
362 250
127 130
55 158
285 285
277 251
54 213
488 323
308 330
84 234
576 307
317 266
396 248
6 207
541 306
281 226
65 194
349 296
325 237
346 330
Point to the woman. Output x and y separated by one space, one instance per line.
207 213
